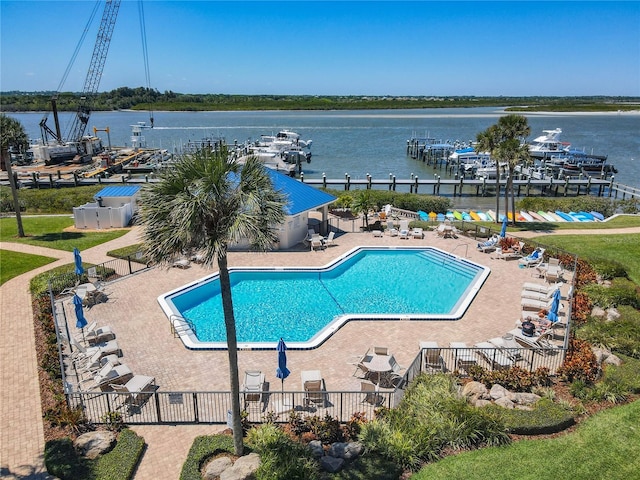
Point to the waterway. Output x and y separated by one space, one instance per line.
369 142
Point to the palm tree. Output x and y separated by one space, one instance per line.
505 142
363 203
206 203
13 135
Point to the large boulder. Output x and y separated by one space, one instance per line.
505 402
331 464
498 391
524 398
316 448
243 469
474 390
216 467
94 444
347 451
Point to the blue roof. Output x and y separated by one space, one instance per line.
124 191
302 197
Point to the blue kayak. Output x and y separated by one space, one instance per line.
566 217
597 215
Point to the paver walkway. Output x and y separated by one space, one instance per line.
21 431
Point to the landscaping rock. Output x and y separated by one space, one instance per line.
524 398
330 464
216 467
505 402
474 390
612 314
481 403
243 469
94 444
498 391
612 359
316 448
598 312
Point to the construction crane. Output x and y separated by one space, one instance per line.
91 84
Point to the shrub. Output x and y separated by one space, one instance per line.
546 417
608 269
61 460
281 458
515 378
121 462
580 363
621 335
621 292
405 201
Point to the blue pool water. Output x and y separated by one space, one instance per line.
297 304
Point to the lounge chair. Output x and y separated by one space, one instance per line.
377 233
432 358
531 304
253 385
493 355
534 259
108 375
328 241
97 335
539 341
93 276
553 272
463 356
103 348
540 296
135 391
490 245
314 388
508 345
515 252
181 263
538 287
393 231
417 232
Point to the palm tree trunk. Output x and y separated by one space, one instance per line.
498 192
14 191
232 349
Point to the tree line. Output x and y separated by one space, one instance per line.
142 98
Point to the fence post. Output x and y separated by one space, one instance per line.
129 262
157 402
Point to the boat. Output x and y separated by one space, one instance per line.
582 216
474 216
546 216
457 215
537 217
450 215
273 161
597 215
483 216
284 139
555 216
588 215
566 217
468 160
491 215
466 216
548 145
526 216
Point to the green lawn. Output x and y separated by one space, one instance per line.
48 231
606 446
622 248
15 263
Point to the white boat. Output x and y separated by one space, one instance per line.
468 160
286 163
548 145
284 140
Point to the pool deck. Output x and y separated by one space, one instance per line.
149 347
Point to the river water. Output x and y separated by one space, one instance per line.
372 141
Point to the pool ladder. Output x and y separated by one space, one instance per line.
466 251
180 325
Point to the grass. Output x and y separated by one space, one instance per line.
16 263
49 231
623 249
604 446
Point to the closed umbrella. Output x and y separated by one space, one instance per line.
81 321
282 371
78 261
555 306
503 231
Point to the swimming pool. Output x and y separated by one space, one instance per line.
306 305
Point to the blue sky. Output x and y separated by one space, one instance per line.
334 48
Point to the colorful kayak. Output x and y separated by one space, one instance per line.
491 215
483 216
440 217
546 216
590 218
579 217
555 216
466 217
526 216
450 215
457 215
537 217
597 215
474 215
565 216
